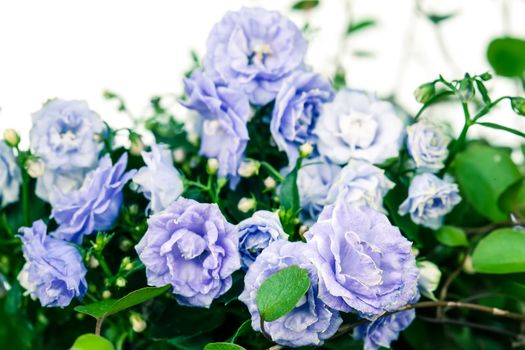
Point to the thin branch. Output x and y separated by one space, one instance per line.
444 290
98 326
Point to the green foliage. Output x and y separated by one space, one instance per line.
358 26
507 56
452 236
304 5
223 346
280 293
92 342
502 251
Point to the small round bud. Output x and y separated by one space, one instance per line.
125 245
212 166
93 262
133 209
270 183
35 167
179 155
80 316
248 168
246 204
121 282
306 149
137 146
424 92
138 324
466 89
106 294
429 276
518 105
11 137
468 267
485 76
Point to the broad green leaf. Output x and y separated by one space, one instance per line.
513 199
507 56
452 236
483 174
360 25
223 346
109 307
280 293
502 251
92 342
305 5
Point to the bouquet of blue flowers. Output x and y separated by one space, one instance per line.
289 211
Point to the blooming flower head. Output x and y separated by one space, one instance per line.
256 233
357 125
364 263
381 332
10 176
54 272
223 114
430 199
314 179
311 321
254 49
159 180
66 135
192 247
427 145
96 205
360 183
297 109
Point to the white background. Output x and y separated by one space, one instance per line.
76 49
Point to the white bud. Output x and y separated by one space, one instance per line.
179 155
137 146
35 167
303 229
193 138
212 166
11 137
306 149
468 267
248 168
106 294
246 204
270 183
137 322
125 245
93 262
429 276
121 282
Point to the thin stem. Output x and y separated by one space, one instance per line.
272 171
104 265
432 100
98 326
12 241
263 330
444 290
488 107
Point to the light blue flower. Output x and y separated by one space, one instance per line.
429 200
357 125
427 145
159 180
297 108
10 176
380 333
311 322
256 233
54 272
254 49
96 205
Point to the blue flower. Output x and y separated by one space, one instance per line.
360 183
429 200
254 49
256 233
10 176
54 272
297 108
380 333
193 248
96 205
427 145
224 113
311 321
365 264
159 180
359 126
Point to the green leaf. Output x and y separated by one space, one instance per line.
360 25
483 174
280 293
92 342
513 199
502 251
245 327
289 196
502 127
109 307
507 56
452 236
483 91
305 5
223 346
437 19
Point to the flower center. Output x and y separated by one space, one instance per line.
358 129
259 54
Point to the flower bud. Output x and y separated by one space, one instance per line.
429 276
121 282
248 168
212 166
35 167
246 204
424 92
179 155
305 150
466 89
270 183
125 245
518 105
138 324
468 267
11 137
93 262
106 294
485 76
137 146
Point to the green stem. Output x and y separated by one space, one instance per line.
460 142
104 265
272 171
12 241
488 107
433 100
